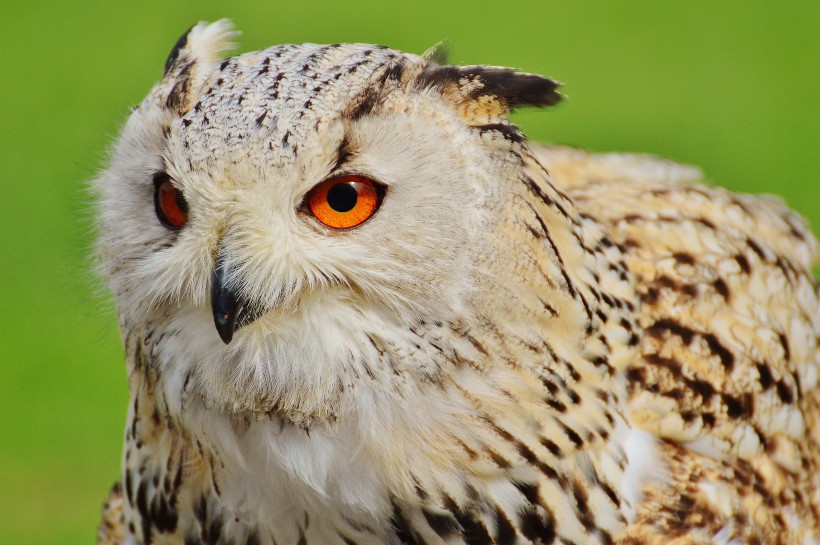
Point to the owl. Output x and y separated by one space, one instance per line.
359 307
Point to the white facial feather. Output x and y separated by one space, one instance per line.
513 348
321 287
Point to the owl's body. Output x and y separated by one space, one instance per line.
519 345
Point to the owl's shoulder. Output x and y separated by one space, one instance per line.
730 314
577 169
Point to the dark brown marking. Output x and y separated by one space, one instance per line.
473 530
546 236
571 434
726 356
737 407
402 528
744 263
708 419
756 249
178 96
702 388
600 361
505 531
684 258
585 516
784 392
705 390
636 375
394 71
525 452
442 524
497 459
529 491
665 282
610 493
343 155
766 379
721 288
557 405
536 529
687 335
515 89
551 446
668 325
784 342
364 104
175 51
508 131
478 346
797 386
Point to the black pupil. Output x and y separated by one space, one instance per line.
342 197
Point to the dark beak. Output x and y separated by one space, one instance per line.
229 307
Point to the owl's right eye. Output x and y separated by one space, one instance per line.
169 202
344 202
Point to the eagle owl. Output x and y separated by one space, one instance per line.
358 307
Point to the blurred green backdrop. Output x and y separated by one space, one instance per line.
730 86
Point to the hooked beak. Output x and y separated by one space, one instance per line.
231 310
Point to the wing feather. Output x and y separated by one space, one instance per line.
731 319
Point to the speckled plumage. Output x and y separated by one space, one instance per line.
523 345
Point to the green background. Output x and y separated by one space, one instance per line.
730 86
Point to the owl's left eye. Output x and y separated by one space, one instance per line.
169 202
344 202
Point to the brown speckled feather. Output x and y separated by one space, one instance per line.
112 523
728 373
604 351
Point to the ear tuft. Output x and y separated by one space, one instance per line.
437 54
502 85
518 89
192 57
203 42
208 43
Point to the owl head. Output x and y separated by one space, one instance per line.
281 226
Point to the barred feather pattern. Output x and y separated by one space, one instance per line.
582 349
729 357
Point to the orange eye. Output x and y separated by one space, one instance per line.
344 202
169 203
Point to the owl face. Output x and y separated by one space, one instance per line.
273 220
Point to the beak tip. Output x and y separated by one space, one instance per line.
226 336
225 326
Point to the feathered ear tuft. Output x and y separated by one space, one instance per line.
437 54
509 88
518 89
483 96
192 57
